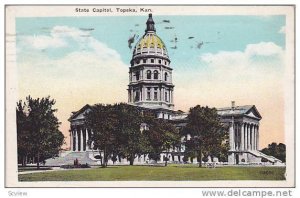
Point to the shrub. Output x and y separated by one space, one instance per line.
68 166
205 159
185 159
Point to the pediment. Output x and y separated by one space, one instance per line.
80 114
252 112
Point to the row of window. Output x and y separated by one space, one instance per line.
149 75
138 52
155 96
152 60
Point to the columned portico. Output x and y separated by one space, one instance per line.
243 124
79 139
243 136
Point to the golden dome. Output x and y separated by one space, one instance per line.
150 43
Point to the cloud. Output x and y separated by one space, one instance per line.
73 69
74 78
282 30
263 49
43 42
257 60
253 76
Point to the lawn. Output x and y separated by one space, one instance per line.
169 173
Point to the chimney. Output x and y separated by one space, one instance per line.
232 105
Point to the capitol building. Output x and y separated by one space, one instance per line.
151 87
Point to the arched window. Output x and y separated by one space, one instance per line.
155 74
166 76
148 74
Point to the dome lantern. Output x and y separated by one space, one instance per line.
150 24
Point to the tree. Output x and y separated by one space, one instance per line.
23 135
161 137
102 119
276 150
38 129
129 131
206 130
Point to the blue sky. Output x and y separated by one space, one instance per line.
244 60
228 33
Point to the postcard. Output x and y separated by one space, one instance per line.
150 96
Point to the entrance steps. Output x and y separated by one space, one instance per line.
268 157
82 157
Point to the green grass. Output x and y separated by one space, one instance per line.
170 173
23 169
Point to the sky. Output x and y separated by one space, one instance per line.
85 60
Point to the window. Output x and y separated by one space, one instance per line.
148 93
155 93
148 74
144 60
152 60
159 61
137 75
137 61
155 74
166 76
165 62
137 96
166 96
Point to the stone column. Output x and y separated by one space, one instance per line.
242 136
92 143
237 140
253 136
86 139
248 137
71 140
140 92
254 140
159 92
257 138
81 139
76 140
250 134
231 136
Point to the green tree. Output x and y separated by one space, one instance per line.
23 135
276 150
38 129
161 137
129 131
207 132
102 119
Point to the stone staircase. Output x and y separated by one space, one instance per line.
268 157
83 158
